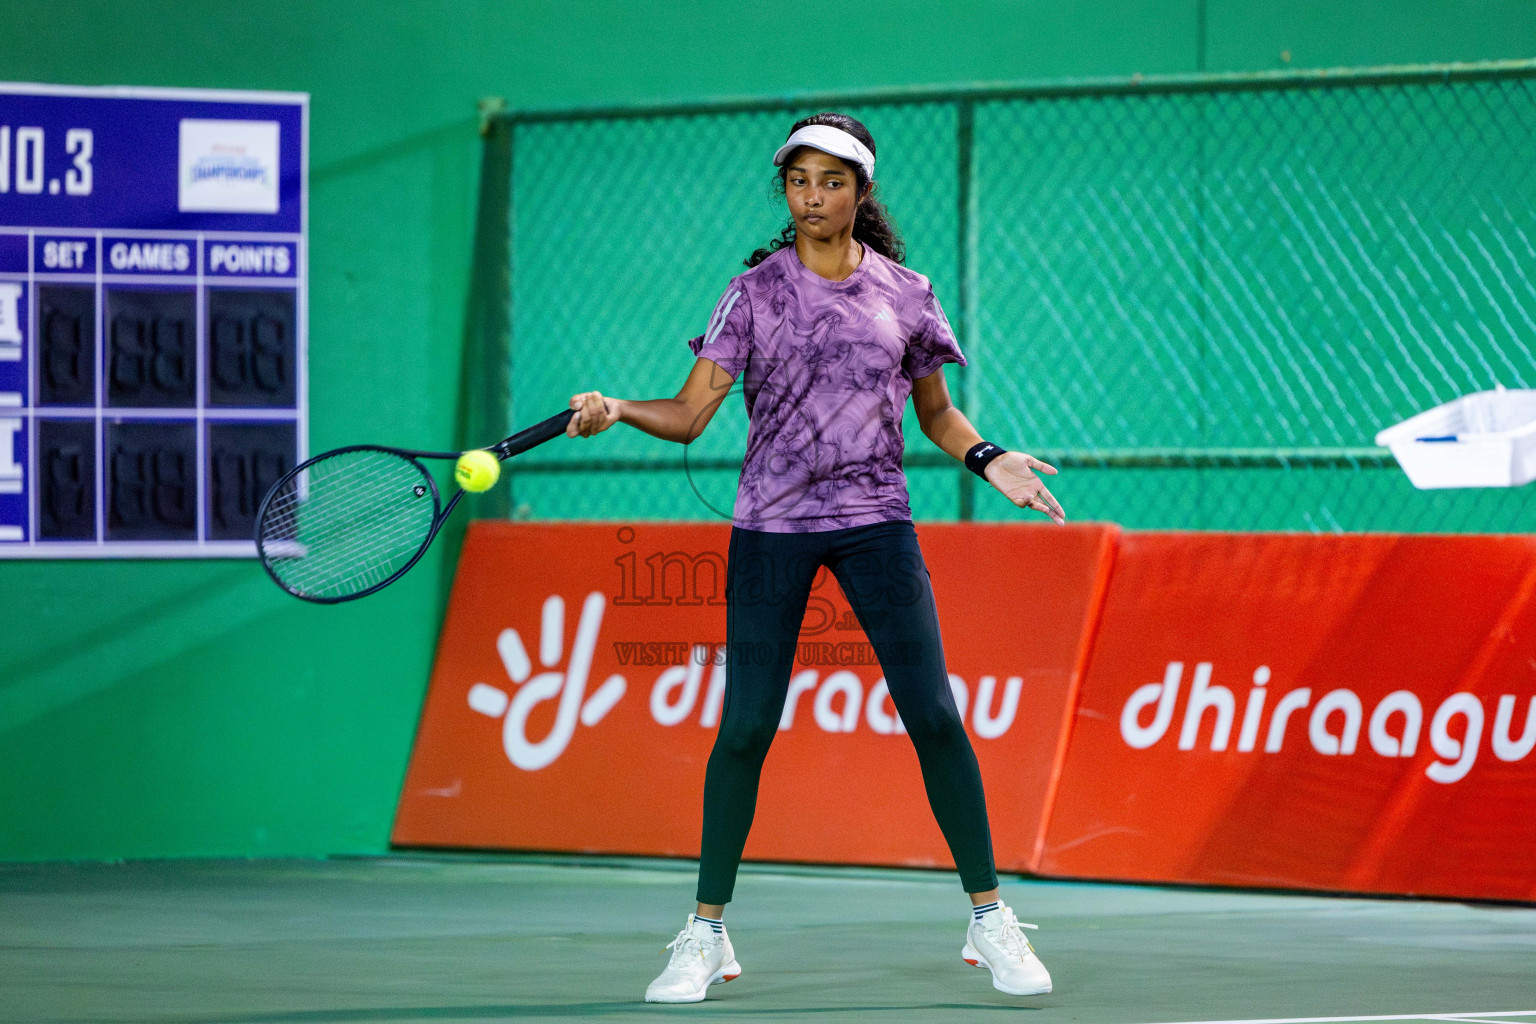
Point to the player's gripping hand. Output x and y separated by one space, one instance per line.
1014 473
594 414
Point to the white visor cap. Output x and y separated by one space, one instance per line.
829 140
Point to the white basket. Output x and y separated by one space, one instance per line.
1485 439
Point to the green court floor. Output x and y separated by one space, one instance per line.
447 939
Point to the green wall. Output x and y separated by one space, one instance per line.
181 708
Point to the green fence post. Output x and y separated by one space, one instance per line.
965 267
485 397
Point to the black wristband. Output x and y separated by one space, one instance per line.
980 454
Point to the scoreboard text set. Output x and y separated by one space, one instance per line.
153 332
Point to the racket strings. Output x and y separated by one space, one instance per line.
327 531
346 560
334 560
332 504
341 526
347 523
327 565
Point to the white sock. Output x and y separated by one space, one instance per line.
716 925
984 908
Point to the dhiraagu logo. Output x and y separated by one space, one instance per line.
838 701
1332 723
570 685
228 166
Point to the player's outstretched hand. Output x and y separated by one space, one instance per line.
594 414
1014 473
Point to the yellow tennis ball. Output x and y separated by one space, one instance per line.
477 471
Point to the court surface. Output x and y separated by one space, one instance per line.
449 939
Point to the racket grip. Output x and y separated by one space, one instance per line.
534 435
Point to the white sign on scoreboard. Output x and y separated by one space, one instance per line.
153 317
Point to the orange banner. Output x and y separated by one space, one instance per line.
1349 713
575 696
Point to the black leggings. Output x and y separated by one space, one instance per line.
881 571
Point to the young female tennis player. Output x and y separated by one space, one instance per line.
832 334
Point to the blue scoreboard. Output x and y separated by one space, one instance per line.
152 317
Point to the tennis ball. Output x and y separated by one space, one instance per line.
477 471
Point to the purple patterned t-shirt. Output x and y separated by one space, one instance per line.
828 368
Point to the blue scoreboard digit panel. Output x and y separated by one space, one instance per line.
153 305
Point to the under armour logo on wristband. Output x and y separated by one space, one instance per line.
980 454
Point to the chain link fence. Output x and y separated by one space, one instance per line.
1200 297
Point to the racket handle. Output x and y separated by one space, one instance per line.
534 435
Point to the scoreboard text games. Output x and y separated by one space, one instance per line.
152 317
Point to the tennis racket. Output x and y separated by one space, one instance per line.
349 522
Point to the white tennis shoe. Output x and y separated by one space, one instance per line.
700 958
997 943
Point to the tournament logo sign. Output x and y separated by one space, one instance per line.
229 166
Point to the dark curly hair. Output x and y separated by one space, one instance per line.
871 223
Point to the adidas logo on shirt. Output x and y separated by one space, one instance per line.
882 315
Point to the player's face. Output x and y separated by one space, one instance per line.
822 193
